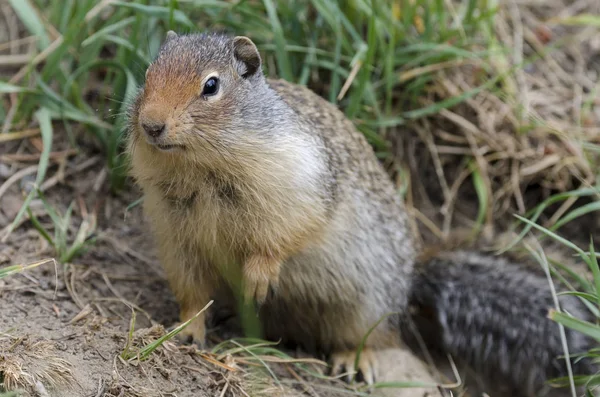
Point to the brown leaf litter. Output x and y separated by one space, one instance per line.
530 135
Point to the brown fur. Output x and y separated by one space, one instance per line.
263 185
213 207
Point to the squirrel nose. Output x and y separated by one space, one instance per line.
154 130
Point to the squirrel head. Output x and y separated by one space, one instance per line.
198 95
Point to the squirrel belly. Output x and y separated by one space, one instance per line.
268 180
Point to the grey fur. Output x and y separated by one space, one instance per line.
491 314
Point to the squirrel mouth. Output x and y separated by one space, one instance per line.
168 148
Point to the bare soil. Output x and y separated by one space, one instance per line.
82 310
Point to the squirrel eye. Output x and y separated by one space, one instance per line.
211 87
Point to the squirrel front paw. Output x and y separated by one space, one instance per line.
260 273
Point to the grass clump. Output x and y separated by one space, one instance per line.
145 351
584 286
90 56
33 365
444 80
66 246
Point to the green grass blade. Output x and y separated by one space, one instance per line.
126 44
59 108
28 15
365 71
172 9
587 296
363 341
45 122
263 363
586 328
482 198
158 12
579 279
576 213
107 30
147 350
554 236
579 20
6 88
14 269
38 226
537 212
335 86
593 265
580 380
283 62
449 102
126 353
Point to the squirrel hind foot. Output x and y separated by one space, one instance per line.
343 364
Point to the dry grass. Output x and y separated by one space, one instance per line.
235 369
532 133
33 366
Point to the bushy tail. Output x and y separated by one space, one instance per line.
491 315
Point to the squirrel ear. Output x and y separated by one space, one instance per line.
171 35
247 58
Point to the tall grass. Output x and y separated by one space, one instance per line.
365 55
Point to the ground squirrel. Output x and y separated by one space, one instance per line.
262 177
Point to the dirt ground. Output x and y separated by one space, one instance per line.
81 312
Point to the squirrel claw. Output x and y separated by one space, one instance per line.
256 290
343 362
260 275
189 336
